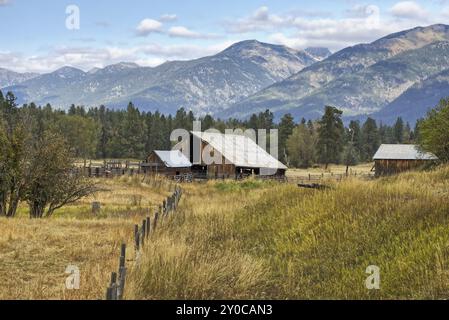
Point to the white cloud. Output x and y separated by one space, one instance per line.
183 32
148 26
292 42
168 18
86 58
409 10
184 51
261 19
4 2
360 24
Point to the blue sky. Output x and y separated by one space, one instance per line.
35 37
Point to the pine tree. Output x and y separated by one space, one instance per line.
132 133
398 131
286 127
371 139
330 136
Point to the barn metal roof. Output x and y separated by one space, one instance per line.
402 152
240 150
173 159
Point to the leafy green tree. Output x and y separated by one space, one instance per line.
434 131
81 134
301 146
330 136
16 142
51 184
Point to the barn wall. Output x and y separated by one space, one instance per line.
389 167
224 169
161 168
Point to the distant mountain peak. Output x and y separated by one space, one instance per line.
318 52
125 65
93 70
253 45
405 33
10 78
68 71
121 66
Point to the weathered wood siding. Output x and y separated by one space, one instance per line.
389 167
225 169
157 166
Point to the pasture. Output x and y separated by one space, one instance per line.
248 239
34 254
262 240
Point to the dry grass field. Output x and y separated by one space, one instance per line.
34 254
261 240
249 239
360 169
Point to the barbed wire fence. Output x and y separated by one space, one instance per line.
116 288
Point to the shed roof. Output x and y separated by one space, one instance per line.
240 150
173 159
402 152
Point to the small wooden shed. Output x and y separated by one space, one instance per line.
395 158
168 163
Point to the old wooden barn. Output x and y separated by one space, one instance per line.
234 156
169 163
396 158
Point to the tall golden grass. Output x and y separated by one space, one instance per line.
34 254
272 241
250 239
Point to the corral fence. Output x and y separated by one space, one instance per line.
323 177
142 233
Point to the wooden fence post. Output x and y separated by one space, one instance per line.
167 206
122 272
114 286
148 227
109 293
156 218
136 237
144 231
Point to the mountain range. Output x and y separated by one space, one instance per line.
403 74
10 78
362 79
203 85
